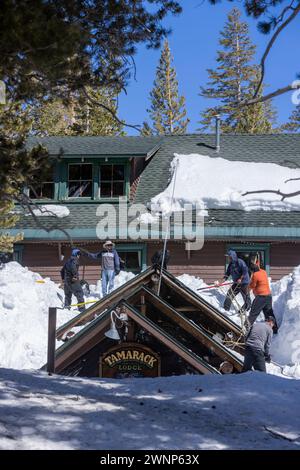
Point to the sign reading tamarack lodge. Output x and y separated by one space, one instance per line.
129 360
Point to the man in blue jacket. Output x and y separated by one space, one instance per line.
110 265
238 271
70 277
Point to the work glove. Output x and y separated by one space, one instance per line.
117 271
268 358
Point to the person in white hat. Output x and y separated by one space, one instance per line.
110 265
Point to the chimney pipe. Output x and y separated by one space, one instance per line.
218 128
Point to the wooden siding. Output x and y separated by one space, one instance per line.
207 263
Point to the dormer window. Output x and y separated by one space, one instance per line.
43 189
80 180
112 181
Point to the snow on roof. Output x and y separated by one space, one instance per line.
51 210
214 183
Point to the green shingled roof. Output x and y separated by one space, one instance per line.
82 222
94 146
283 149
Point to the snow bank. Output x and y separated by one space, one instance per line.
214 183
247 411
286 345
50 210
25 298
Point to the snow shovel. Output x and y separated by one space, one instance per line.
216 286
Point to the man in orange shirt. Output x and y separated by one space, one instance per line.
263 298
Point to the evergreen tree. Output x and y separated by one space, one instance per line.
146 130
233 81
91 119
293 124
51 117
18 166
167 109
77 116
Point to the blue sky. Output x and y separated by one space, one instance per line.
193 43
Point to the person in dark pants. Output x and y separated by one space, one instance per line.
70 277
263 298
258 342
238 271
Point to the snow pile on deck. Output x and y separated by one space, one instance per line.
25 298
214 183
247 411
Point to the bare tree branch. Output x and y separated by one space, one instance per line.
272 191
292 179
26 203
109 110
269 96
296 10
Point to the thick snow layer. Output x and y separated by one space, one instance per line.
214 183
247 411
50 210
286 345
25 298
285 348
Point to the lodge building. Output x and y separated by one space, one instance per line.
88 172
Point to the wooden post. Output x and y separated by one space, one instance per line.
51 340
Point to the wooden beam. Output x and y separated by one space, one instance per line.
194 330
77 347
202 306
104 303
187 355
51 340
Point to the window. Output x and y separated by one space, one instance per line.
80 180
133 256
253 253
112 180
131 260
43 189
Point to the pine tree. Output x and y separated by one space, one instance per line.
167 110
77 116
293 124
18 166
51 117
233 81
146 130
91 119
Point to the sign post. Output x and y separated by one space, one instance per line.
51 340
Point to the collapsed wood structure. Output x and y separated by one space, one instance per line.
175 332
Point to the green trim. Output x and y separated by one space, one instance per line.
62 192
221 233
142 247
18 253
256 247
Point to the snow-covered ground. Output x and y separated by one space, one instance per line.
37 411
216 183
247 411
25 298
